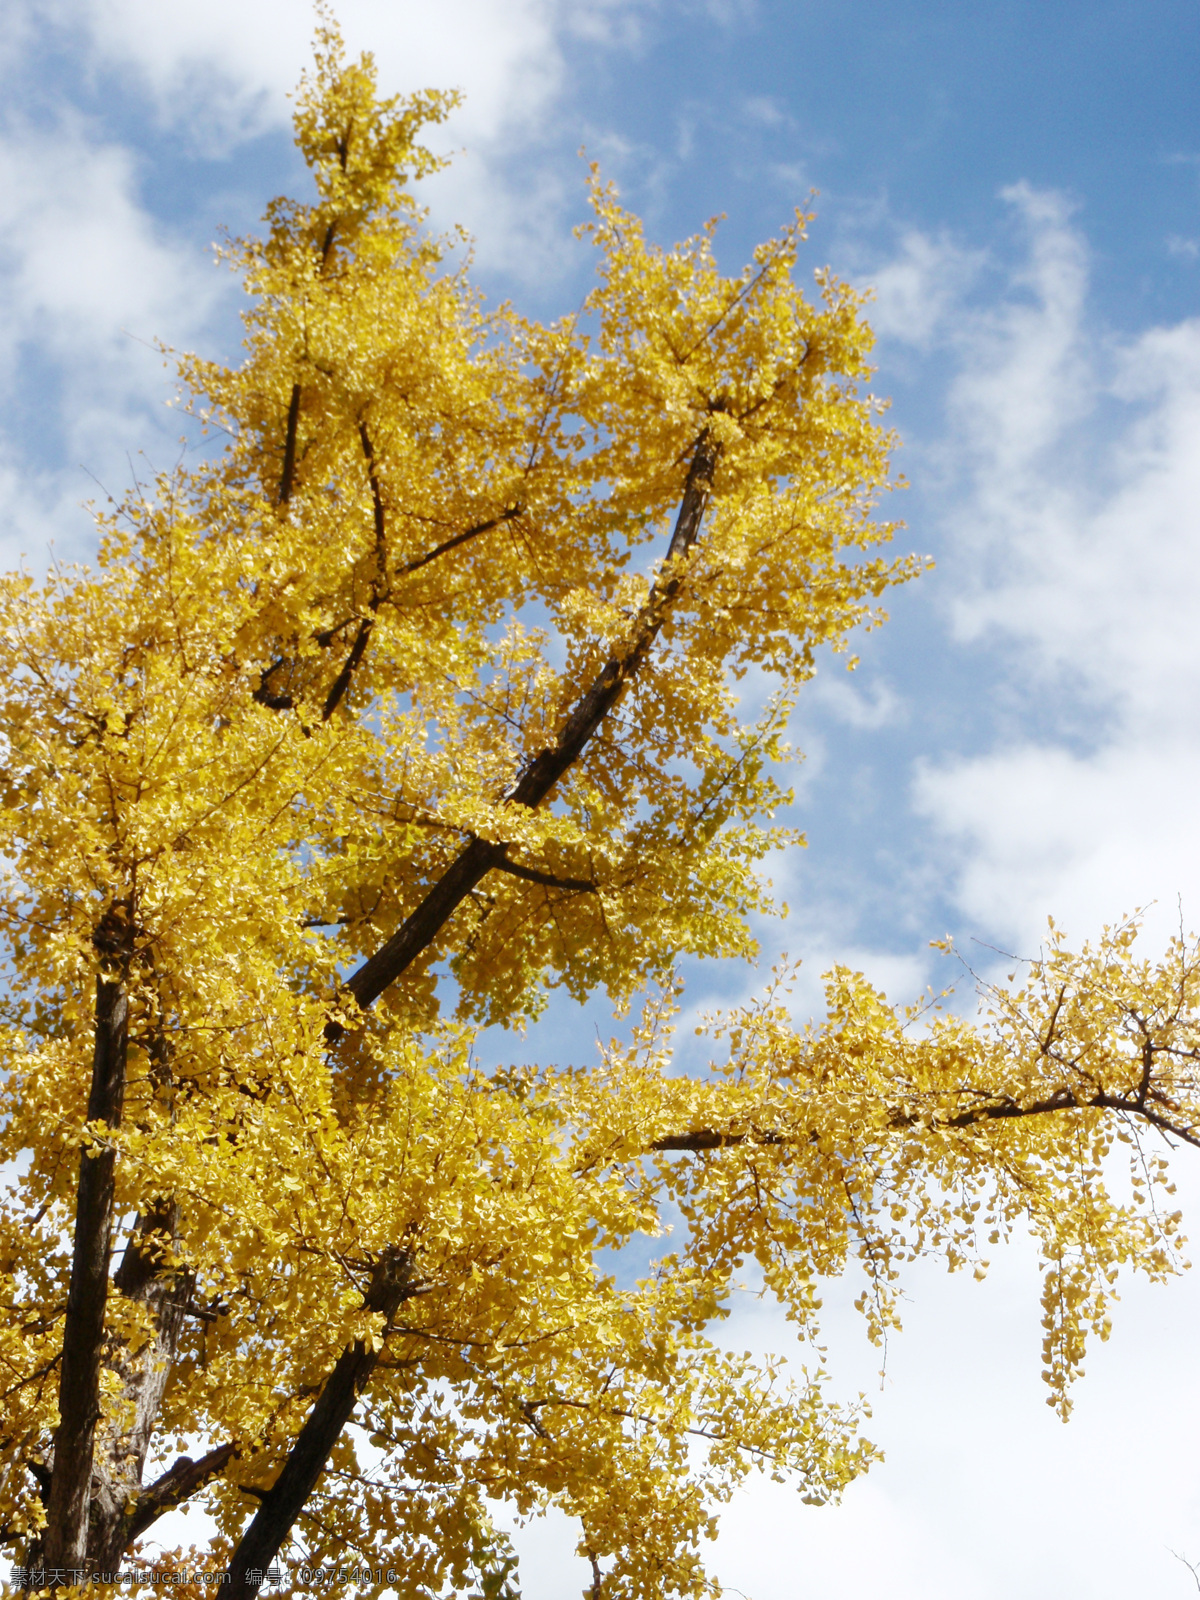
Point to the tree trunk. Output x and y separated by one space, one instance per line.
120 1452
66 1535
274 1520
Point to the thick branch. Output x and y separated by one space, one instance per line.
455 540
697 1140
342 682
543 772
265 695
65 1539
376 493
358 649
283 1503
710 1139
535 875
180 1481
289 448
142 1260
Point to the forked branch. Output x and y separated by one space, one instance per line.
540 775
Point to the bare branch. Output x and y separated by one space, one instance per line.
455 540
181 1480
548 879
1192 1569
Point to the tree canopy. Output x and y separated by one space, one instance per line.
461 671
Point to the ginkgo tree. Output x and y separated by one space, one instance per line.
424 694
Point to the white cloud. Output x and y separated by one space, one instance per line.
765 110
89 281
1024 378
875 705
919 287
1078 558
223 71
86 270
506 57
1035 831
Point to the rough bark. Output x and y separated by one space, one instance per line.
65 1539
123 1444
116 1510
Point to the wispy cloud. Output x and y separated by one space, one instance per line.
1076 529
919 289
89 282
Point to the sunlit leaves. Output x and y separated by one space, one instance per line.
302 680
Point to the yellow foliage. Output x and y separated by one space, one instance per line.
305 681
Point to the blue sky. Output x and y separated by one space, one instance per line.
1021 185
